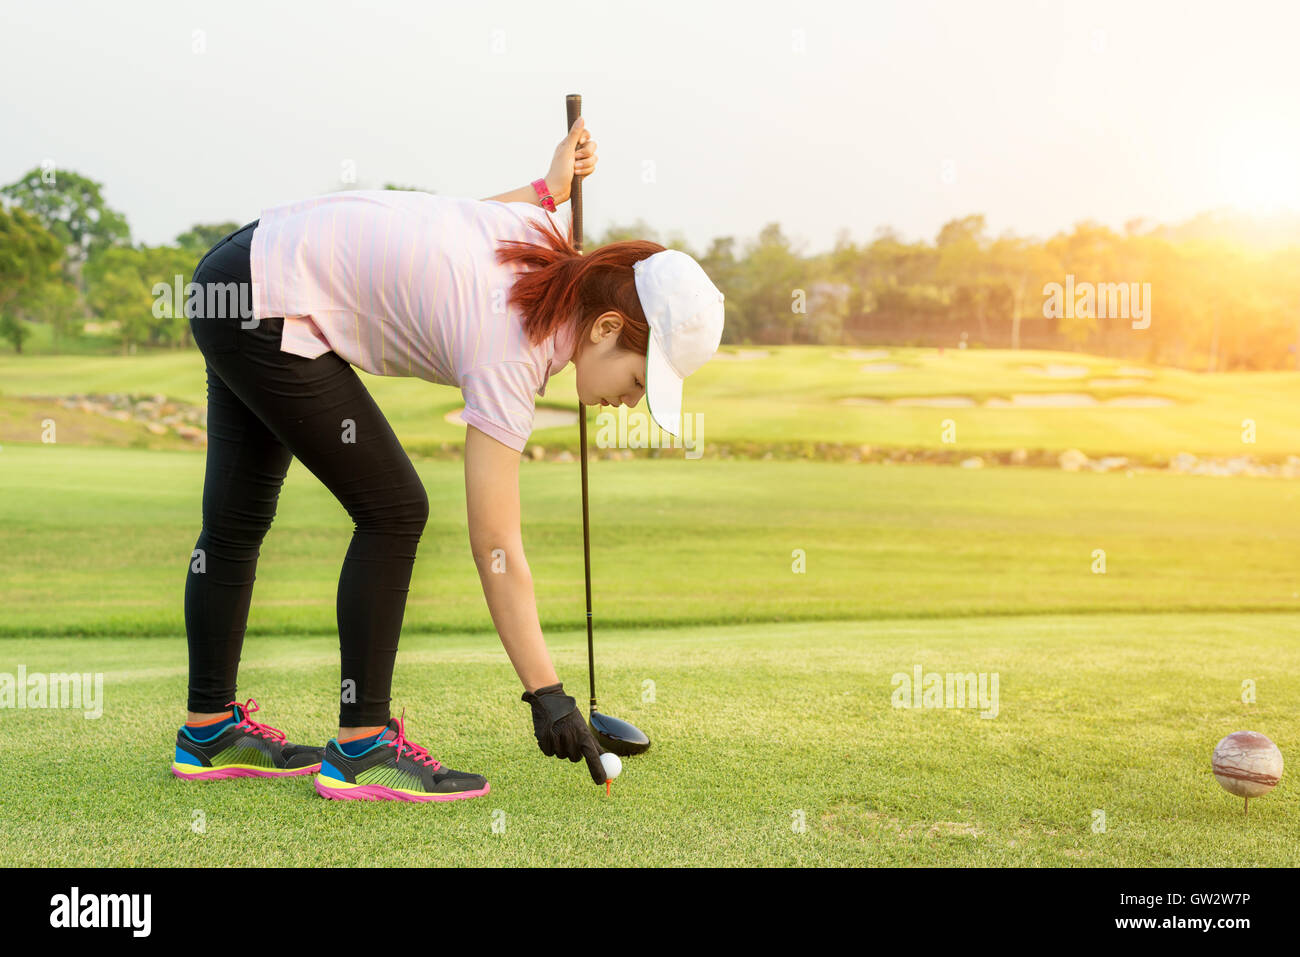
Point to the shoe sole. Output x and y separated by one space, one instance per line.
343 791
194 772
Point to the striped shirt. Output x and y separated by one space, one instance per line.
407 284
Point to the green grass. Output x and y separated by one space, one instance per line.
105 535
772 691
794 395
752 726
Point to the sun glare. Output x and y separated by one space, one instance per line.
1261 172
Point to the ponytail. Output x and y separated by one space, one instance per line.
562 286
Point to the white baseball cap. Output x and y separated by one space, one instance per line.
685 313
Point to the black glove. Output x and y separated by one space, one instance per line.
560 729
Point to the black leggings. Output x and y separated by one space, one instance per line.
266 407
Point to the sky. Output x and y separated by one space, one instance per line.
711 118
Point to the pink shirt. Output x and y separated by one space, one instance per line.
406 283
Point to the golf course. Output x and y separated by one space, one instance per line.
756 613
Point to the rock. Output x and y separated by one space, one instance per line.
189 433
1019 456
536 453
974 462
564 456
1183 462
156 429
1072 460
1109 463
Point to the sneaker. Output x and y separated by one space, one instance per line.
393 769
246 748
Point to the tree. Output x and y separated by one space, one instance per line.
771 275
60 306
1023 267
72 208
203 236
622 233
720 265
406 189
961 270
1090 253
30 260
119 288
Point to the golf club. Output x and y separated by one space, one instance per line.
612 734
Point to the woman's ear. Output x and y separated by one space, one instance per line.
607 324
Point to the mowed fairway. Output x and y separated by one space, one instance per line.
756 728
776 738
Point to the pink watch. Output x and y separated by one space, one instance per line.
544 194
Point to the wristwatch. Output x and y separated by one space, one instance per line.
544 194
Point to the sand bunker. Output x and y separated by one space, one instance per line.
1076 400
882 367
1056 370
542 418
860 354
742 355
1043 400
1021 400
1139 401
936 401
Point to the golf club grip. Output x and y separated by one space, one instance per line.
573 110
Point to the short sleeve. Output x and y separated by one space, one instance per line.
499 401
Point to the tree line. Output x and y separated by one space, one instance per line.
1207 294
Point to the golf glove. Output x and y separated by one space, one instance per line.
561 730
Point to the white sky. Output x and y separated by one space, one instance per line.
1037 114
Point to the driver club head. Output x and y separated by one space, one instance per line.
618 736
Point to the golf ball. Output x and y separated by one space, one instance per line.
613 766
1247 764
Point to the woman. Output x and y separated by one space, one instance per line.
485 295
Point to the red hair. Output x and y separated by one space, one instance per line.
563 286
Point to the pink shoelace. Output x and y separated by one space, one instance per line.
255 727
413 750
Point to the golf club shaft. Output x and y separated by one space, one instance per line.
573 109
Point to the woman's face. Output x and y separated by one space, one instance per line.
606 374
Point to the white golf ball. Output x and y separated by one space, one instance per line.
613 766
